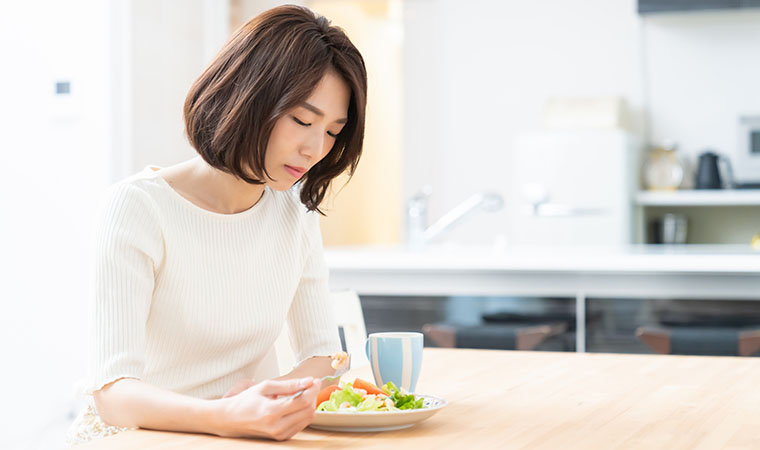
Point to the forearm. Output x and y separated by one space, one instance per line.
133 403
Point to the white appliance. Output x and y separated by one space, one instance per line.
747 167
574 187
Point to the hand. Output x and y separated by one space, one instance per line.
259 412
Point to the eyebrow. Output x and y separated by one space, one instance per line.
319 112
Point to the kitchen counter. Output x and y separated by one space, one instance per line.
633 258
640 271
633 271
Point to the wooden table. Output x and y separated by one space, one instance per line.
505 399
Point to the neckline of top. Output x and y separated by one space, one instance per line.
152 172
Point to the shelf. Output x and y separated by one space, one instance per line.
726 197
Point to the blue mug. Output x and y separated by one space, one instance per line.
396 357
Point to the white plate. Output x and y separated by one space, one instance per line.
377 421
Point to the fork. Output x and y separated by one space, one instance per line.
338 373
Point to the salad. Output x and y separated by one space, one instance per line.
362 396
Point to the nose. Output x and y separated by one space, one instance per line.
315 146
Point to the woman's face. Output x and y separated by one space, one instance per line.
304 135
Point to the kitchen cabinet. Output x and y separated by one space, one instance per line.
726 216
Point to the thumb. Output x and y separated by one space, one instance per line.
285 387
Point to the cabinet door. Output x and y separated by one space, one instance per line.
655 6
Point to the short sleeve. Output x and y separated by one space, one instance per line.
128 252
311 319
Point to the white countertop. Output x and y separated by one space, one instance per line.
738 259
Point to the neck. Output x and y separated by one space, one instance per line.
221 191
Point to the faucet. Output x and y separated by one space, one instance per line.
418 233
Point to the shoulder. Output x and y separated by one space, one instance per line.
132 199
130 219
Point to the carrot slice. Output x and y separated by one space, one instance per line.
324 394
367 386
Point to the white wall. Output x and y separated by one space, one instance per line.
53 155
167 52
477 74
702 73
130 65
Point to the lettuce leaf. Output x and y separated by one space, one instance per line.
337 398
400 399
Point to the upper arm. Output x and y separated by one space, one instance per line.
311 319
128 251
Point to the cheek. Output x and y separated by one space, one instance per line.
278 141
327 146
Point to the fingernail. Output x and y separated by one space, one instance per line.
307 381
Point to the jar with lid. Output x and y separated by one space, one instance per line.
663 169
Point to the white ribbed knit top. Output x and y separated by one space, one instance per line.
191 300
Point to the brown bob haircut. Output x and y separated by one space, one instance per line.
269 66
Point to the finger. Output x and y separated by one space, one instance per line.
295 422
307 400
285 387
239 387
295 429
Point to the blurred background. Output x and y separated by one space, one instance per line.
611 122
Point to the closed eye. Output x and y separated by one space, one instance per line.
301 122
304 124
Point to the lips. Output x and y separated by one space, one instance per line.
295 171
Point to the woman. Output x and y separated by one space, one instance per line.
200 265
